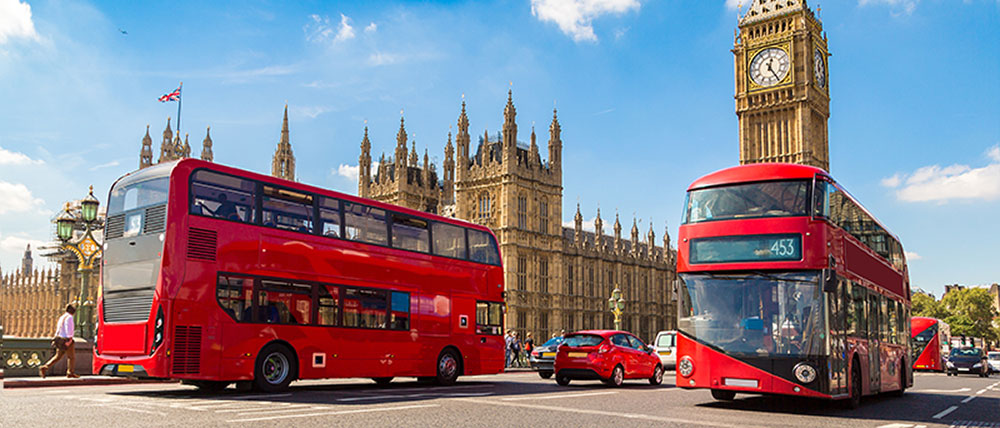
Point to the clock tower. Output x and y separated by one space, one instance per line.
782 87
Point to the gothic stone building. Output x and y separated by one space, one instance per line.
172 148
557 278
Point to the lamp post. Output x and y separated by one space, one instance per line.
617 305
87 250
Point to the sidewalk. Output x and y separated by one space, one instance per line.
37 382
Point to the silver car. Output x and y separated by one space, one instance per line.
666 347
994 361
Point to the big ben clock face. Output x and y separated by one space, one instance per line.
819 69
769 66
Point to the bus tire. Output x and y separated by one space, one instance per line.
448 368
382 381
902 380
723 395
854 400
657 377
275 368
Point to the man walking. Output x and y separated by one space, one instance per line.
63 343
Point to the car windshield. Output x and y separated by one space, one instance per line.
994 356
665 340
553 341
966 352
577 340
755 314
765 199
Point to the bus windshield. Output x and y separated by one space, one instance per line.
755 314
921 340
764 199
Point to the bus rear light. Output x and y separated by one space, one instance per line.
686 366
157 331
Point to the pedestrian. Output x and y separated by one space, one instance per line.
63 344
508 346
529 344
515 350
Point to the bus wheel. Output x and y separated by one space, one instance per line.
902 381
447 368
274 369
208 385
723 395
657 376
382 381
854 401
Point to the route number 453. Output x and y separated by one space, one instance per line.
783 247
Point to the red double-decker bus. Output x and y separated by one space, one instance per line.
931 336
787 285
213 274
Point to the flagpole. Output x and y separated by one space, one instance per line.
179 99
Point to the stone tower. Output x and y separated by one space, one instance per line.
172 148
167 145
27 264
283 164
146 155
782 86
401 180
206 146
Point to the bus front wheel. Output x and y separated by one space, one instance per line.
854 400
275 368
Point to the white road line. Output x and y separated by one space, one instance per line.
271 406
296 408
605 413
255 396
945 412
418 389
138 410
943 390
334 413
981 391
549 397
968 399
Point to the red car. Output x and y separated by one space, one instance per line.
610 356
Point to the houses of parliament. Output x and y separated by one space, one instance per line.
557 278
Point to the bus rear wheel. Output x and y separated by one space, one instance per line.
723 395
448 367
902 380
854 400
275 368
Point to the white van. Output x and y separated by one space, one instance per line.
666 347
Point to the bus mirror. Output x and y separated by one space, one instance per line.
829 280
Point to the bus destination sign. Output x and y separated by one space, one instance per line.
752 248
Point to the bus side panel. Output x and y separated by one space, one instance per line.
433 321
930 358
463 324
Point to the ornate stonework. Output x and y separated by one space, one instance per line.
782 85
171 148
283 162
557 278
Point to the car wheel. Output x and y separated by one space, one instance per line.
562 380
723 395
657 376
275 368
545 375
382 381
617 376
447 368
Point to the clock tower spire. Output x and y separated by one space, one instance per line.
782 87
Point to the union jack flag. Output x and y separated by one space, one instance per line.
173 96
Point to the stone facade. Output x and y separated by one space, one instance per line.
782 85
30 304
557 278
171 147
283 162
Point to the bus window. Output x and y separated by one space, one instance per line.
410 233
482 248
235 295
329 217
449 240
399 316
365 224
365 308
222 196
859 317
285 209
282 302
489 317
328 304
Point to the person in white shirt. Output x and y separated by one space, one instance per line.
63 343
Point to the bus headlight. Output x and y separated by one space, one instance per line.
686 366
157 331
804 372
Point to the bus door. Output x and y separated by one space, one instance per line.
874 323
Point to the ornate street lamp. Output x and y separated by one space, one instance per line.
87 250
617 305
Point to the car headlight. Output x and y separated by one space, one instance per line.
804 372
977 365
950 365
686 366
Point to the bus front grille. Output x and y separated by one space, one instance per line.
115 226
201 244
187 350
155 219
128 307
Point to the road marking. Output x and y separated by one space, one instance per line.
418 389
295 408
902 426
334 413
968 399
430 394
138 410
943 390
243 397
549 397
945 412
270 406
605 413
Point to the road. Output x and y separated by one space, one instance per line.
511 399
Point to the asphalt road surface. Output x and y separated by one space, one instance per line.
506 400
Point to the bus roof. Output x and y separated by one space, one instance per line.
193 163
757 172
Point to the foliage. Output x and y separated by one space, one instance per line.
970 313
925 306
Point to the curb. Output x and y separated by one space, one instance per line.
82 381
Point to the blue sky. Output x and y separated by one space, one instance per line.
644 92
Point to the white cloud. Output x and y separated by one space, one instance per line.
575 17
905 6
15 197
15 21
588 225
105 165
8 157
911 256
320 30
18 243
735 4
310 111
371 28
345 31
381 58
350 172
941 184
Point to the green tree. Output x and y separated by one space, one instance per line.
925 306
971 312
